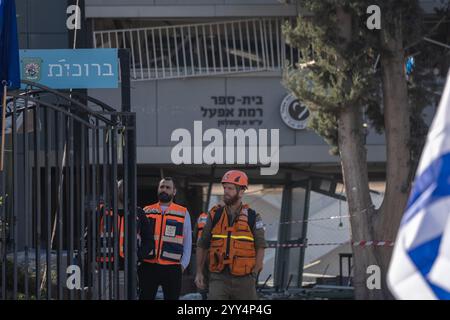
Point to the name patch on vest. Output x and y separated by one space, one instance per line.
170 231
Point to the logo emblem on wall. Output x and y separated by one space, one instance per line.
294 113
32 69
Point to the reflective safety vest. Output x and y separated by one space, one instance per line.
232 242
167 248
201 222
106 235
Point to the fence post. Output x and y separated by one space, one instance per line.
124 57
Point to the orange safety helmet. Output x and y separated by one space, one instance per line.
236 177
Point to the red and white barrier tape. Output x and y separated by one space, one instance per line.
373 243
299 245
362 244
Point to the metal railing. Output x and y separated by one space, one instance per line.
59 193
206 49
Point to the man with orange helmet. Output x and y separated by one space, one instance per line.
233 240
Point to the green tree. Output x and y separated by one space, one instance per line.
348 71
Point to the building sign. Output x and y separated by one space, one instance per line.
235 111
294 113
71 69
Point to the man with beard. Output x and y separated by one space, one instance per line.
167 243
233 239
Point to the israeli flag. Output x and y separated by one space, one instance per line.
420 264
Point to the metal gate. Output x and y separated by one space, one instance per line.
64 232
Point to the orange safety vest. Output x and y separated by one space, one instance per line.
168 235
106 233
232 245
201 222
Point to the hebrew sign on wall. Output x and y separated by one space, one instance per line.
71 69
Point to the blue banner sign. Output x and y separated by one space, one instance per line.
71 69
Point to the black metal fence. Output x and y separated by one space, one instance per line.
65 232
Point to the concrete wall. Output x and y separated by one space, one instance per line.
167 105
203 8
42 24
187 8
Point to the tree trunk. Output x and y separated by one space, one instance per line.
356 181
355 174
366 222
397 130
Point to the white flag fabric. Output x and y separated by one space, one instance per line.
420 264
